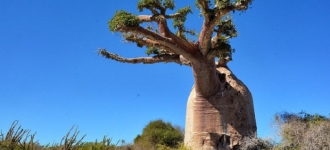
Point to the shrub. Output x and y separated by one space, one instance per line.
158 134
303 131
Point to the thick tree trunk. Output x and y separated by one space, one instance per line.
221 120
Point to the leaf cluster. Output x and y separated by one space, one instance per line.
223 48
198 6
226 3
123 19
160 5
226 27
224 30
223 4
179 21
152 50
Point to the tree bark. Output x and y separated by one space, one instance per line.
220 120
205 77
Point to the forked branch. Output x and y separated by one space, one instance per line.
204 5
210 23
163 41
143 41
164 30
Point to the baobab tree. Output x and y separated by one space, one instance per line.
220 109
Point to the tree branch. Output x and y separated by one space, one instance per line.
147 60
204 39
171 16
152 6
154 11
164 41
208 29
220 30
205 9
163 27
146 18
219 52
204 43
222 62
242 5
148 43
151 18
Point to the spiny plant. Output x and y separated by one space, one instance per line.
14 139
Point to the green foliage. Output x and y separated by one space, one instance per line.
161 5
245 2
225 30
178 22
152 50
123 19
223 48
198 5
226 27
159 134
223 3
168 4
155 51
105 144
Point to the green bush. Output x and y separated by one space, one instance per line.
159 135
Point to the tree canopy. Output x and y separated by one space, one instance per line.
165 45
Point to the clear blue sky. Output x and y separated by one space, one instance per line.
51 76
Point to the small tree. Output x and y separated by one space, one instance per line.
220 106
159 133
303 131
